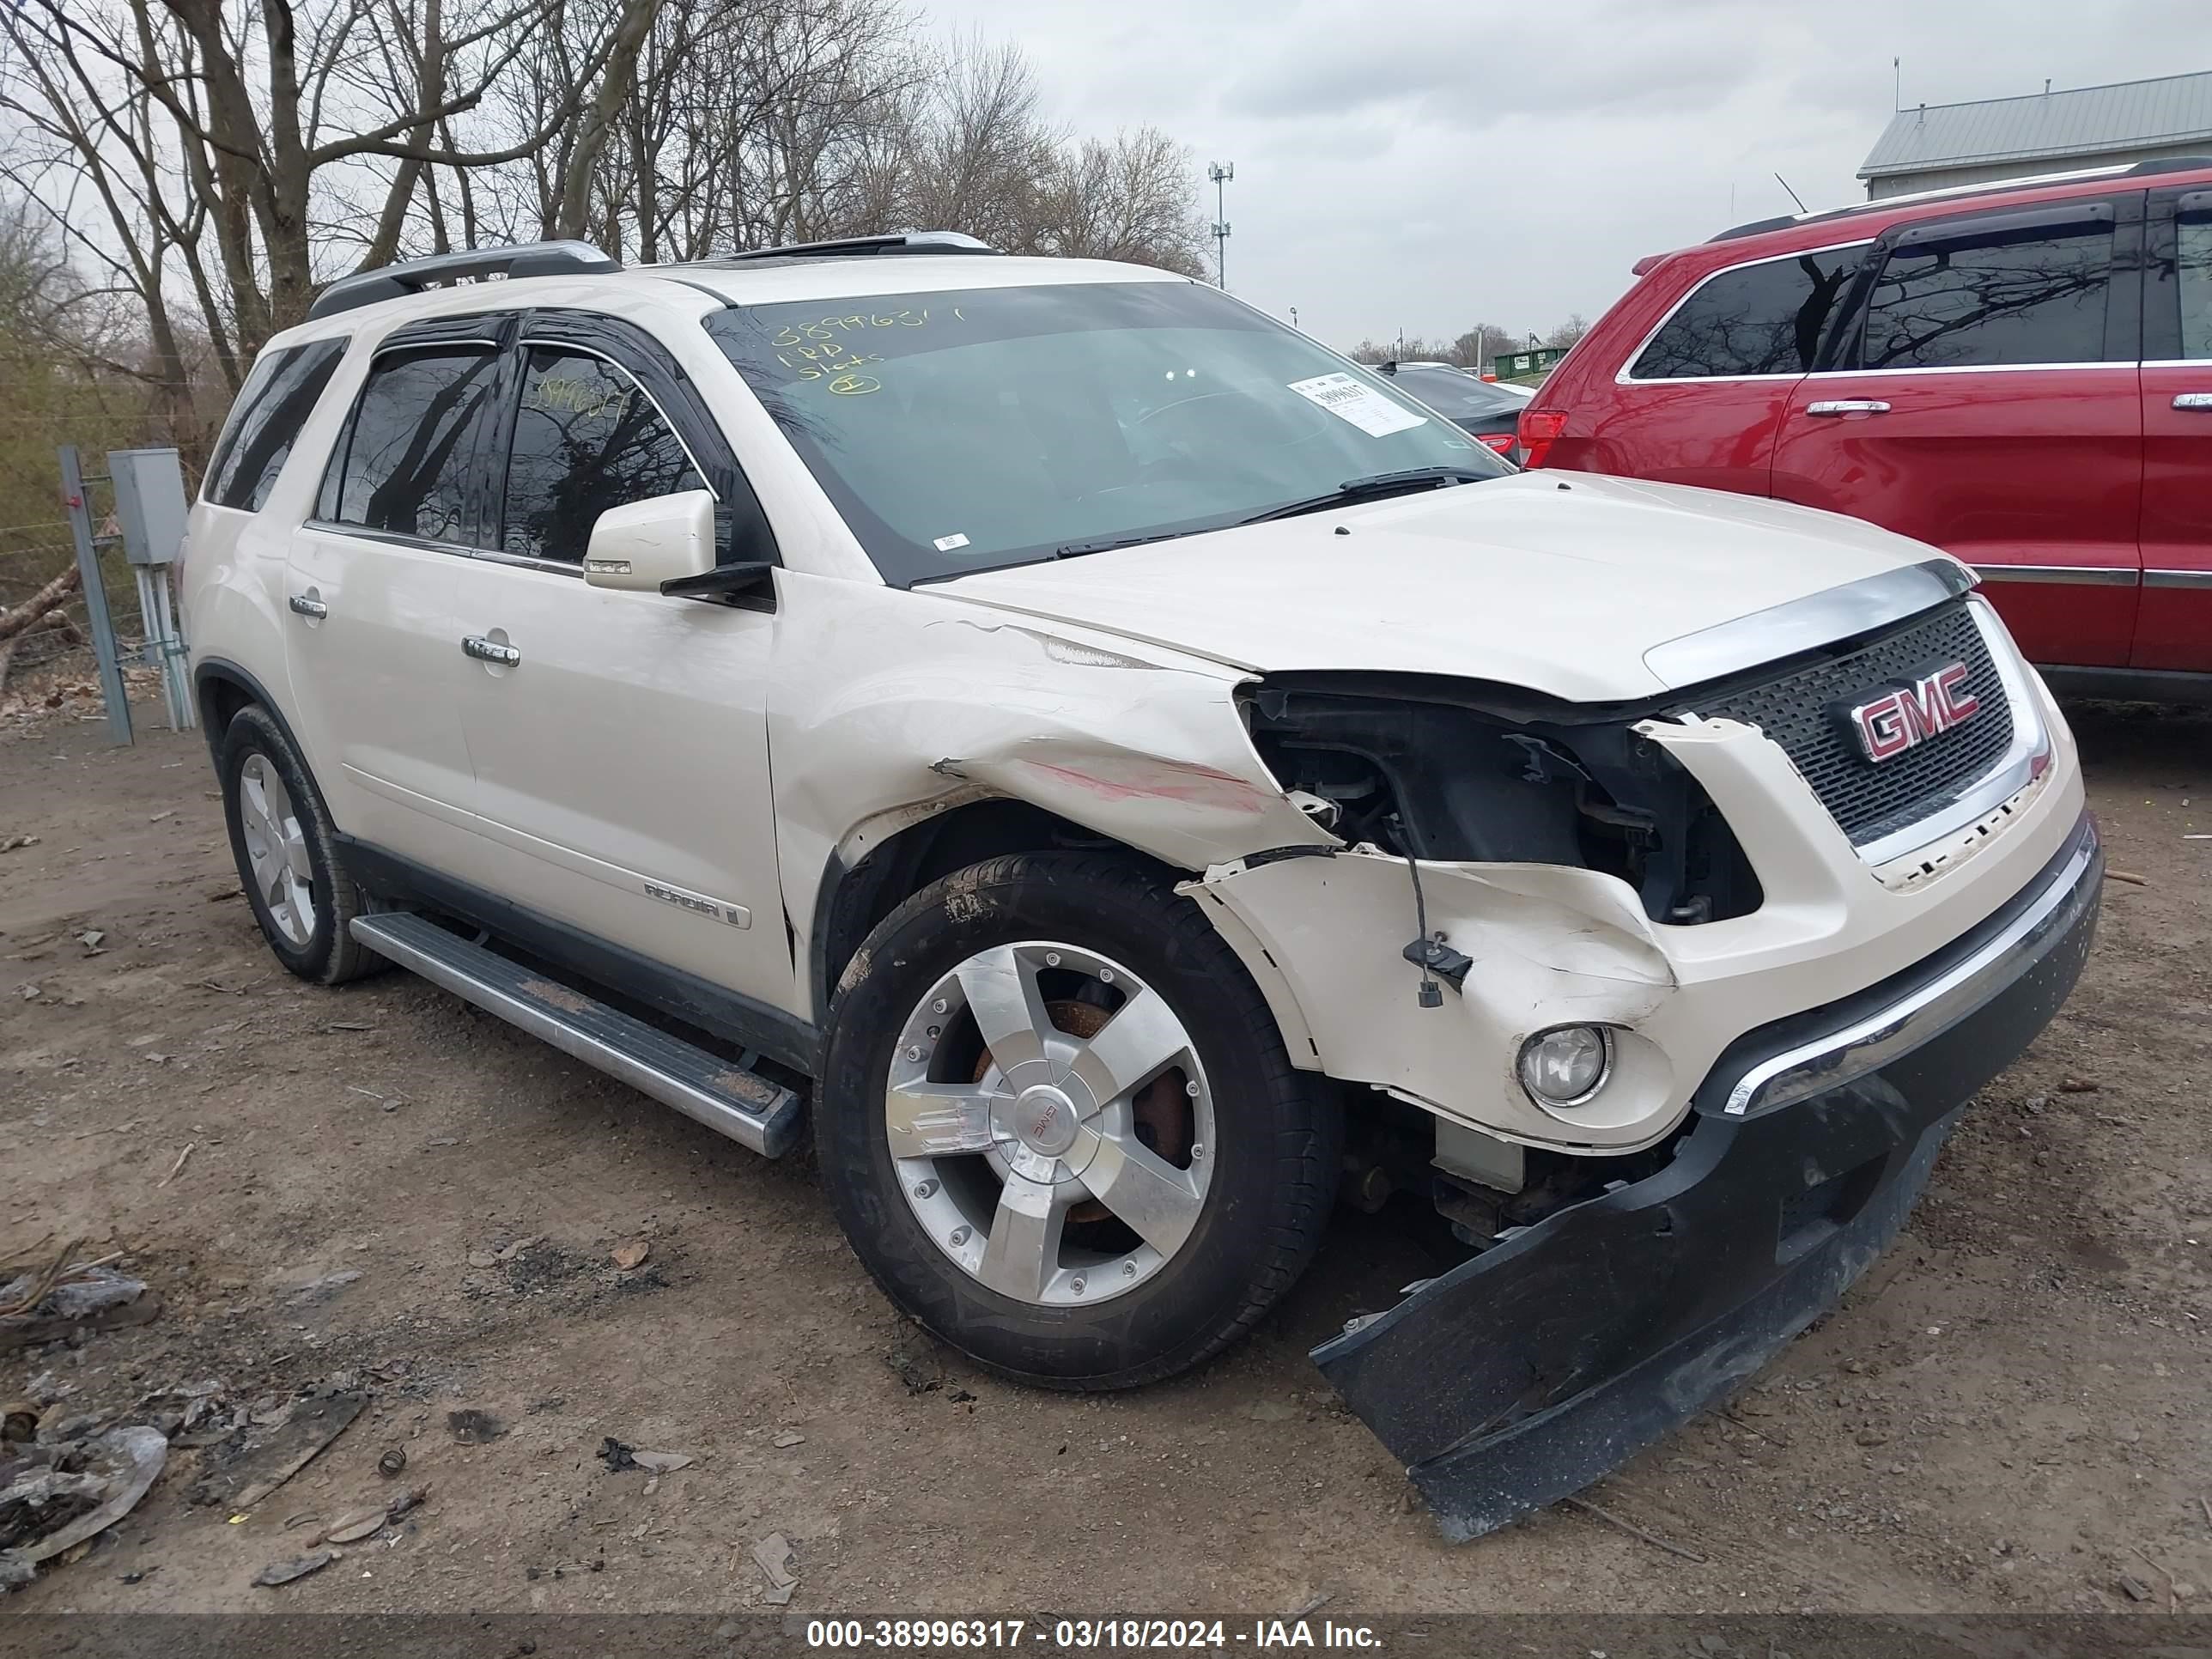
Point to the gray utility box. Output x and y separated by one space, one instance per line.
149 503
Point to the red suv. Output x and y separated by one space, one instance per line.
2020 374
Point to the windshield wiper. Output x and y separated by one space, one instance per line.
1077 550
1374 488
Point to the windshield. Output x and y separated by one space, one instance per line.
1462 396
964 429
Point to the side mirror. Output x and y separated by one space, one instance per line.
644 544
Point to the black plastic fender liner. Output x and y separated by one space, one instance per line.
1532 1369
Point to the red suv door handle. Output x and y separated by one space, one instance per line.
2196 400
1847 406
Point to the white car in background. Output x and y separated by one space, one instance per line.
1122 776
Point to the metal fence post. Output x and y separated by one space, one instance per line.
95 596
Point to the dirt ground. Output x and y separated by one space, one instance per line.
2009 1413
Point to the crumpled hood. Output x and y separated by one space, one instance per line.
1556 582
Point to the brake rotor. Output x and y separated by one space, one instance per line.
1161 1108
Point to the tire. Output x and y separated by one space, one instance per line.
265 782
1172 1298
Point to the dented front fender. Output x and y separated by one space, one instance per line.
1549 945
875 724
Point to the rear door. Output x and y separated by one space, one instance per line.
372 647
1986 400
622 756
1700 400
2174 630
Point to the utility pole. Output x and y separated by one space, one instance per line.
1221 172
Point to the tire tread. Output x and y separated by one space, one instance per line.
1307 1146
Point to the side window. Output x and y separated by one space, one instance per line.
586 438
1976 299
414 440
272 406
2193 268
1765 319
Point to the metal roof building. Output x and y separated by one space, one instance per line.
1939 145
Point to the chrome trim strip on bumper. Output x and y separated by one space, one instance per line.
1817 619
2069 575
2026 757
1874 1040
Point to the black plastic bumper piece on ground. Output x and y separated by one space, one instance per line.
1525 1374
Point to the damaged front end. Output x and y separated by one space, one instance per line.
1534 1369
1791 1031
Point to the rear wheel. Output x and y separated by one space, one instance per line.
1059 1127
286 852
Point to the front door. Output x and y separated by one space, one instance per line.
1986 400
2175 629
623 752
370 587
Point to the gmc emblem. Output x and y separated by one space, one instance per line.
1893 723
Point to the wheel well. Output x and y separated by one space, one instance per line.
854 898
220 701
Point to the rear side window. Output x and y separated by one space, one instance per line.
272 406
2193 265
1766 319
586 438
1982 299
412 450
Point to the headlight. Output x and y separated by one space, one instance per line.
1566 1065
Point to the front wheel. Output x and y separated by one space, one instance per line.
1057 1123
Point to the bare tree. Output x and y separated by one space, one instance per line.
1478 347
283 129
1128 199
1568 332
211 164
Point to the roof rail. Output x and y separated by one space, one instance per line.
1986 187
2168 164
393 281
846 248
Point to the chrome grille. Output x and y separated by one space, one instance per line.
1807 713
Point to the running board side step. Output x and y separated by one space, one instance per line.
722 1094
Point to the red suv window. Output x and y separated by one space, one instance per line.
1764 319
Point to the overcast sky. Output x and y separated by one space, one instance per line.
1427 164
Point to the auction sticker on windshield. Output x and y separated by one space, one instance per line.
1362 405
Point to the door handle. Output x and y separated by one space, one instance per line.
1847 406
308 607
2196 400
486 650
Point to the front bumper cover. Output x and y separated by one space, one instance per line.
1525 1374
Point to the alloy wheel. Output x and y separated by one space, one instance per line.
276 850
1050 1122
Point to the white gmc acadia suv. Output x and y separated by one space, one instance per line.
1126 777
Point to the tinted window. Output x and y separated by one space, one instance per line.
2193 244
586 438
2035 296
1462 396
413 447
966 428
1765 319
272 406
